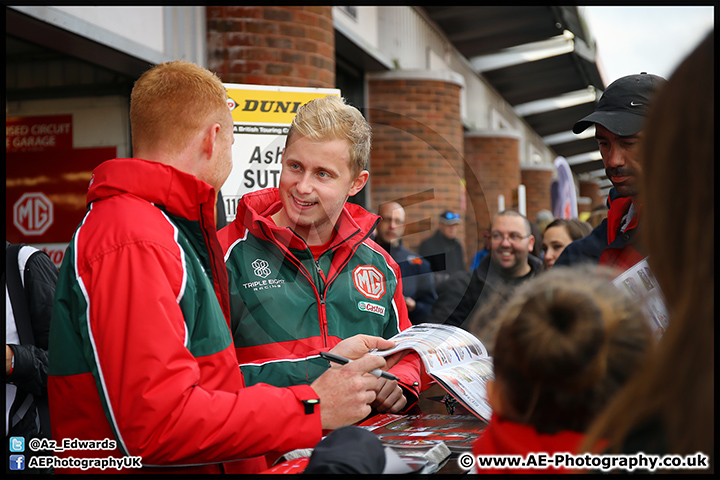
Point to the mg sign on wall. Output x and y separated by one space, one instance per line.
33 213
46 181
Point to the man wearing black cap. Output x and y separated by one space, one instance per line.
618 118
443 250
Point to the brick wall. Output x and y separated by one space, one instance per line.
417 151
537 181
492 168
288 46
591 190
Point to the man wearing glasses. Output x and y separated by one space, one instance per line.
509 264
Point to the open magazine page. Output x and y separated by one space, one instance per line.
468 384
638 282
439 346
454 358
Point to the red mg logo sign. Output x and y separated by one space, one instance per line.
369 281
33 213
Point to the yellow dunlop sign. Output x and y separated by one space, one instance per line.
261 118
272 105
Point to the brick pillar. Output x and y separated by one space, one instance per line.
287 46
591 189
492 168
417 152
537 181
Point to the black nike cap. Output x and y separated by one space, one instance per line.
624 105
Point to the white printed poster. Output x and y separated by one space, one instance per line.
261 118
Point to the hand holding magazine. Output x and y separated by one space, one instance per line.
455 358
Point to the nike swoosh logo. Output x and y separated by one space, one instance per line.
633 104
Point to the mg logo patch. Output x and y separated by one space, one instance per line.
369 281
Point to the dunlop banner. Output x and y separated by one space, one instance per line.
261 118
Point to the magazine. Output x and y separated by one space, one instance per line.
421 433
455 358
638 282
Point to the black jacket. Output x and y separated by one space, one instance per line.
444 254
589 249
464 294
417 279
29 373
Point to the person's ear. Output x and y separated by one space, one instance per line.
211 136
359 182
531 244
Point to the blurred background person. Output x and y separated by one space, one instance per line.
537 233
543 219
597 215
30 278
417 278
559 234
443 250
480 254
670 406
508 264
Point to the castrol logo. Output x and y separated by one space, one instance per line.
371 307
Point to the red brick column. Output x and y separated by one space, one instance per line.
492 168
583 205
591 190
288 46
417 153
537 181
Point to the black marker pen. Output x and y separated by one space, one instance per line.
331 357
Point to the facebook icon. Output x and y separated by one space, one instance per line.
17 462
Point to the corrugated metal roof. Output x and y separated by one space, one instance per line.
491 31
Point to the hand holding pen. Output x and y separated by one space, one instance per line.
331 357
345 394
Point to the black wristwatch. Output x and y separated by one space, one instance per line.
310 405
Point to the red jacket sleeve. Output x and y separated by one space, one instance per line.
165 404
410 370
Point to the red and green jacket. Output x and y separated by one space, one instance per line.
287 307
140 348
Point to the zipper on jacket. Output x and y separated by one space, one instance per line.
321 282
322 313
320 292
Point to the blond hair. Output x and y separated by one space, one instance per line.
567 341
170 103
331 118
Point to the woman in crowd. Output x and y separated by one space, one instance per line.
559 234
